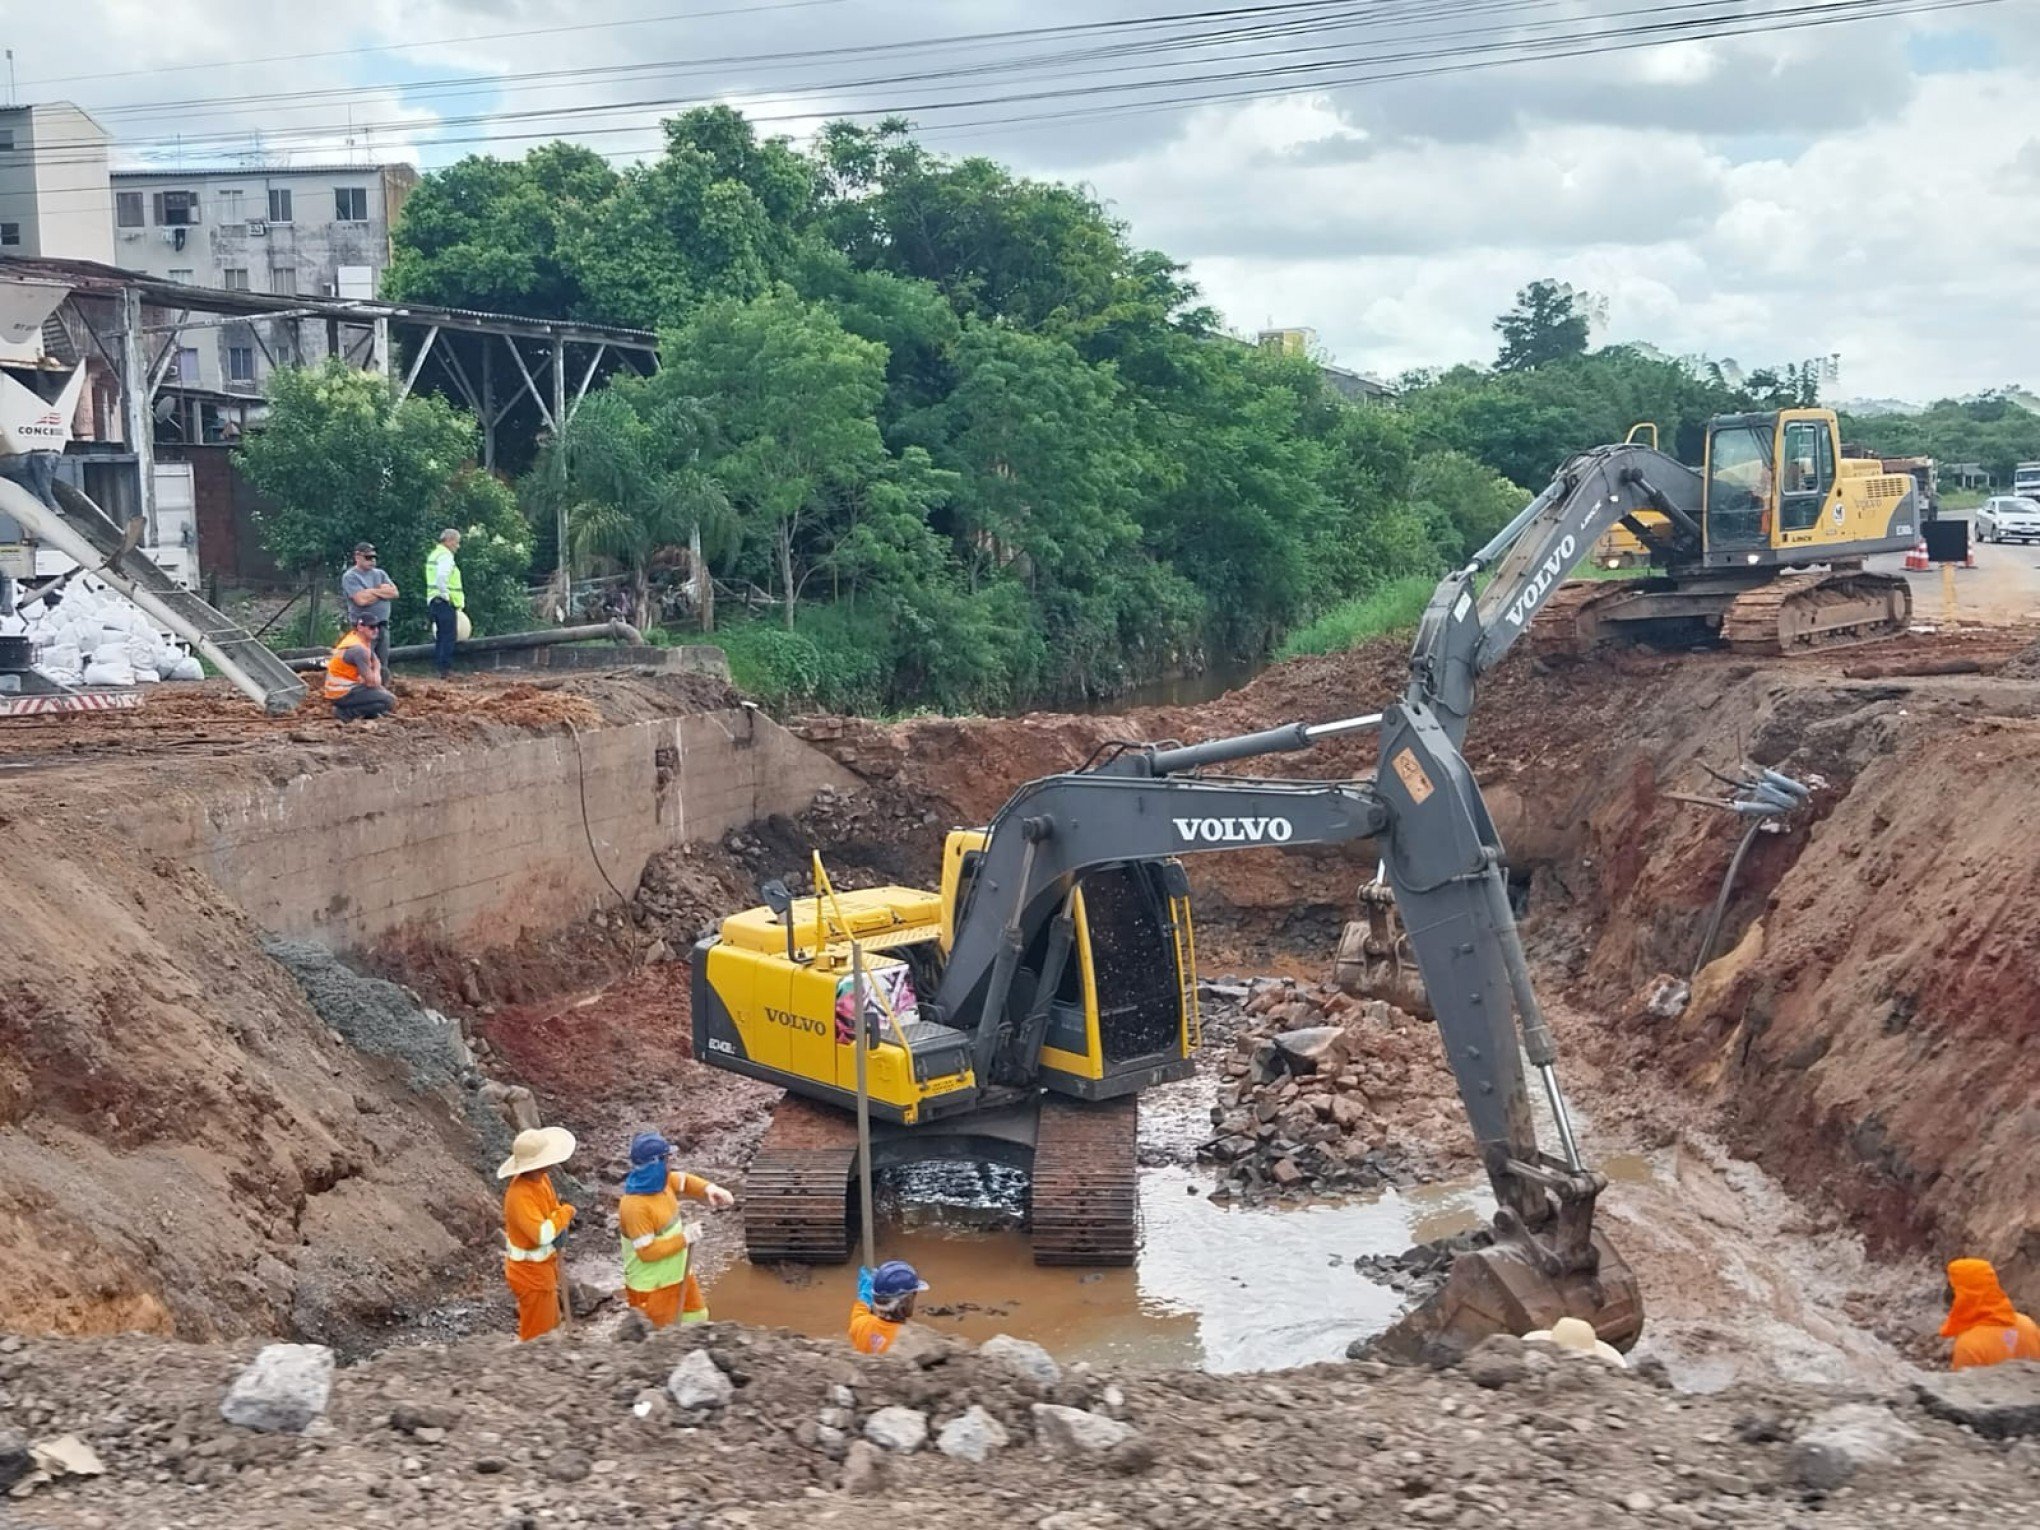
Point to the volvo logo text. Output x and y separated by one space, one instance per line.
1234 831
795 1022
1525 604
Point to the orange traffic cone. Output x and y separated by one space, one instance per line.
1969 555
1917 559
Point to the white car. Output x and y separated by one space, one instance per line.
2008 518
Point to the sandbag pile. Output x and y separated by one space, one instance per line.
95 637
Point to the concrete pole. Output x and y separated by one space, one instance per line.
488 401
137 412
383 358
559 414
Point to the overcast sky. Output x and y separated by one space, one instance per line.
1869 190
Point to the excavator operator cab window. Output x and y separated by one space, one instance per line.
1739 487
1808 472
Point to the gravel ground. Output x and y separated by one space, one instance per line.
584 1431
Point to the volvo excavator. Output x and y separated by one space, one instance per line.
1018 1010
1761 547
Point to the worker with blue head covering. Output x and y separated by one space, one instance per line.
657 1279
885 1300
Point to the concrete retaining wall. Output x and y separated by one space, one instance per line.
483 843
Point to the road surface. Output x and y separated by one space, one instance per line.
2002 590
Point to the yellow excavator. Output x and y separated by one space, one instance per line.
1761 547
1016 1012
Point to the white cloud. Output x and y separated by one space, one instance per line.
1761 197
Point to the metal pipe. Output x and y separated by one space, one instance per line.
863 1100
1316 731
506 642
1537 1042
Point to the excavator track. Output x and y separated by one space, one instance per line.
1803 613
1558 630
797 1190
1086 1197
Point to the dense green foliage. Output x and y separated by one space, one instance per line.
1992 430
341 461
950 438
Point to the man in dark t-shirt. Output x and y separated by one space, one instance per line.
368 591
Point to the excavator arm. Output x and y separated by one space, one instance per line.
1444 863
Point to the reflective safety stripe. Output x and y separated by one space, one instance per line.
641 1274
527 1255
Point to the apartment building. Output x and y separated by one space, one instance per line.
315 230
53 184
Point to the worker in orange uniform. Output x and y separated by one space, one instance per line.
656 1277
885 1301
1981 1321
354 676
534 1220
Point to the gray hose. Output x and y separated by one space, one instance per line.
1721 903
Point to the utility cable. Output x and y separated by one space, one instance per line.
587 826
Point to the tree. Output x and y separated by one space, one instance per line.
1547 324
628 471
340 461
497 234
795 398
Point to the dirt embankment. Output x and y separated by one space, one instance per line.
184 1146
1870 1035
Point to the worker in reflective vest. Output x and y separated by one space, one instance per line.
656 1277
443 599
354 678
534 1220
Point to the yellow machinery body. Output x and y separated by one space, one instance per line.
773 993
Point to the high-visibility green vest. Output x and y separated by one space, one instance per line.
441 557
654 1274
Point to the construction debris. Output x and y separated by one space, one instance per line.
1320 1095
283 1389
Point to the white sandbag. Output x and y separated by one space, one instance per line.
63 677
166 664
104 673
144 652
64 656
86 640
147 677
186 668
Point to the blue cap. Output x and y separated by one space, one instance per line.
649 1147
896 1278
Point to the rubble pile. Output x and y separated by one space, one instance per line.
734 1429
1324 1092
93 636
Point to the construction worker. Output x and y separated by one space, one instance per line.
444 599
354 678
885 1301
368 591
656 1277
534 1220
1981 1320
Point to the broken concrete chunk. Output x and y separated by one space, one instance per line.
1998 1401
1497 1361
972 1437
863 1469
283 1389
1074 1430
901 1429
1837 1444
1314 1049
697 1382
1023 1358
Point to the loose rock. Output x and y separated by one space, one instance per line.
698 1382
1058 1428
282 1390
901 1429
973 1437
864 1469
1843 1441
1022 1358
1997 1401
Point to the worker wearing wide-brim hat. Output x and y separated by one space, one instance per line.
534 1218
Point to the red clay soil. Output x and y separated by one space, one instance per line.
1871 1043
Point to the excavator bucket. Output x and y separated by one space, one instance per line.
1374 960
1501 1289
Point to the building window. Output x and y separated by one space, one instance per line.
283 278
6 139
10 233
240 363
279 204
230 207
127 209
234 278
176 209
350 204
187 364
181 274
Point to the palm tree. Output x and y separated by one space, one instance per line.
630 475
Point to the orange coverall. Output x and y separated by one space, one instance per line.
645 1216
533 1216
871 1334
1982 1322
